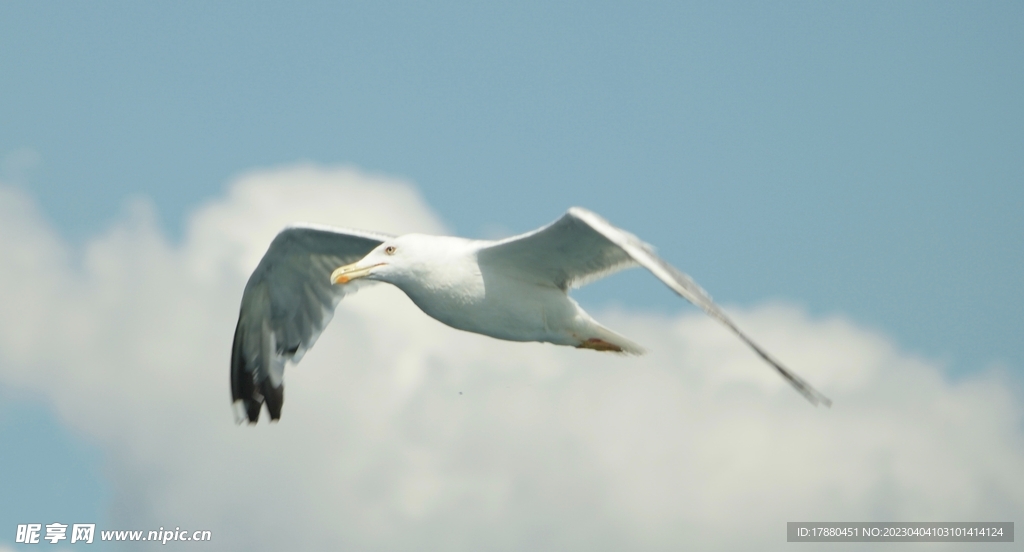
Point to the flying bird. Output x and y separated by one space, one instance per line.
514 289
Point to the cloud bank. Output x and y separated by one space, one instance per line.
399 433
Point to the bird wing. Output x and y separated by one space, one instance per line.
286 304
581 247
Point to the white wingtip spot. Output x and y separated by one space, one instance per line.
238 407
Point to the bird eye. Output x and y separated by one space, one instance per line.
390 250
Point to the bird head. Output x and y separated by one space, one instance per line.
391 261
405 259
376 265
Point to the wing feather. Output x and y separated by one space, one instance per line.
581 247
566 253
287 303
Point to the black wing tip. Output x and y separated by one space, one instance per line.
811 394
247 395
252 411
815 397
248 406
274 399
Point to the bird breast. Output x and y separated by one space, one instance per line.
458 295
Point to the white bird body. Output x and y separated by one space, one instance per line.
514 289
445 278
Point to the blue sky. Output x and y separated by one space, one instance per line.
860 159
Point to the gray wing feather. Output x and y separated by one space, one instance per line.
581 247
567 253
287 303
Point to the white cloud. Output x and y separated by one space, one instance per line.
399 433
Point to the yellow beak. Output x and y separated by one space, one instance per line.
347 273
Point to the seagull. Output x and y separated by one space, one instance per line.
514 289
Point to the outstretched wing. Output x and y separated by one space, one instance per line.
287 303
581 247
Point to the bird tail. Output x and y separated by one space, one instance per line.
602 339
